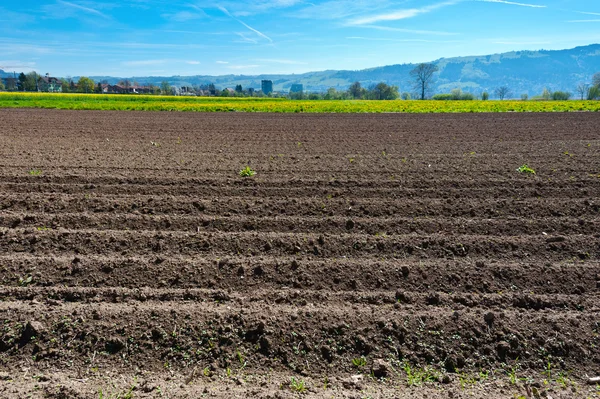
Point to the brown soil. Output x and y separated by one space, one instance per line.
137 257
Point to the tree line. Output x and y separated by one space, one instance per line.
423 77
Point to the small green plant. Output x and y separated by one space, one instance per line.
247 172
206 371
297 385
526 169
563 380
242 360
548 370
43 228
25 281
512 374
117 395
35 172
359 362
417 376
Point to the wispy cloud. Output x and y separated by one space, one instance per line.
184 16
588 13
512 3
521 43
193 62
386 39
400 14
9 65
144 62
254 7
88 10
281 61
259 33
583 21
414 31
222 62
236 67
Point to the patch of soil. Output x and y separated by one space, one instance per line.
367 250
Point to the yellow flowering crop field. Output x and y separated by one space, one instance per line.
234 104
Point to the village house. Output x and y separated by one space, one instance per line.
49 84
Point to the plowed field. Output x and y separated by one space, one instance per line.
370 256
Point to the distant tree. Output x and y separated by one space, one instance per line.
126 84
314 96
21 81
524 96
546 95
485 96
11 84
212 89
298 95
561 96
31 82
383 91
356 91
596 79
99 88
593 93
165 88
239 89
406 95
502 92
332 94
85 85
423 75
2 87
582 89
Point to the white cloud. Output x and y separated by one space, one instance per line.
10 65
88 10
281 61
414 31
400 14
385 39
226 12
222 62
583 21
144 62
514 4
183 16
193 62
588 13
242 66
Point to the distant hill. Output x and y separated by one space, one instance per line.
522 71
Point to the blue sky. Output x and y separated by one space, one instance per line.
195 37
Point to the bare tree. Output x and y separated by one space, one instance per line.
423 76
582 90
502 92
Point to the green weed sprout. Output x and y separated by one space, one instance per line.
526 169
359 362
247 172
297 385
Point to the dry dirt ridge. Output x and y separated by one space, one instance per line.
398 256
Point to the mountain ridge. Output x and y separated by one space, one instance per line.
524 72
